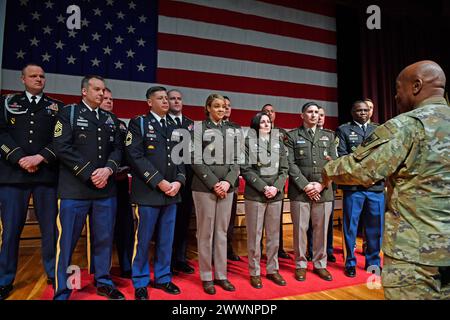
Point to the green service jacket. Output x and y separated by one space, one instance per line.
307 157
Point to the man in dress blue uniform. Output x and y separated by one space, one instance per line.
155 191
27 166
87 141
124 227
350 136
184 208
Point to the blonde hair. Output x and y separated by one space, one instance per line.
210 99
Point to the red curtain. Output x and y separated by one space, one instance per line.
410 31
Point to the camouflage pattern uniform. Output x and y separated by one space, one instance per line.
412 152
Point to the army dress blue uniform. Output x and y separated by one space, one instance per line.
124 226
184 208
124 230
84 143
26 128
351 135
148 146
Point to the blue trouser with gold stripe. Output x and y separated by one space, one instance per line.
147 218
373 224
14 201
70 222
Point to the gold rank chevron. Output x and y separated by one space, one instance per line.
58 129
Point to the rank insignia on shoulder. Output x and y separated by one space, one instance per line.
151 147
58 129
129 138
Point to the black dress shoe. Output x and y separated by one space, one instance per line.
125 274
183 267
233 257
323 274
141 293
331 258
256 282
110 292
350 272
276 278
225 284
300 274
208 287
283 254
168 287
5 291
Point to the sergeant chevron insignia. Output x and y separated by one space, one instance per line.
58 129
129 138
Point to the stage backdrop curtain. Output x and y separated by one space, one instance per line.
410 31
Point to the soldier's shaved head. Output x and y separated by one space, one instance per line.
417 82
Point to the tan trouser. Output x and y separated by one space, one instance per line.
320 215
213 216
259 214
403 280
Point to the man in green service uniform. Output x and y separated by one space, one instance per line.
412 152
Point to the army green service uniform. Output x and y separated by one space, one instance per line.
412 151
213 213
307 155
260 211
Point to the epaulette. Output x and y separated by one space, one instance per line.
328 130
375 123
53 99
69 105
104 111
9 96
345 125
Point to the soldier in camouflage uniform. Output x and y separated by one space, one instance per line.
411 151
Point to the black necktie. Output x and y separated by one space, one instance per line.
177 120
363 127
163 125
94 112
33 100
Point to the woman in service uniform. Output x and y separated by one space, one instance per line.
212 191
265 172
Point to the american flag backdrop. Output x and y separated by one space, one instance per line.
281 52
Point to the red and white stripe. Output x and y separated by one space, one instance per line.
281 52
256 52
